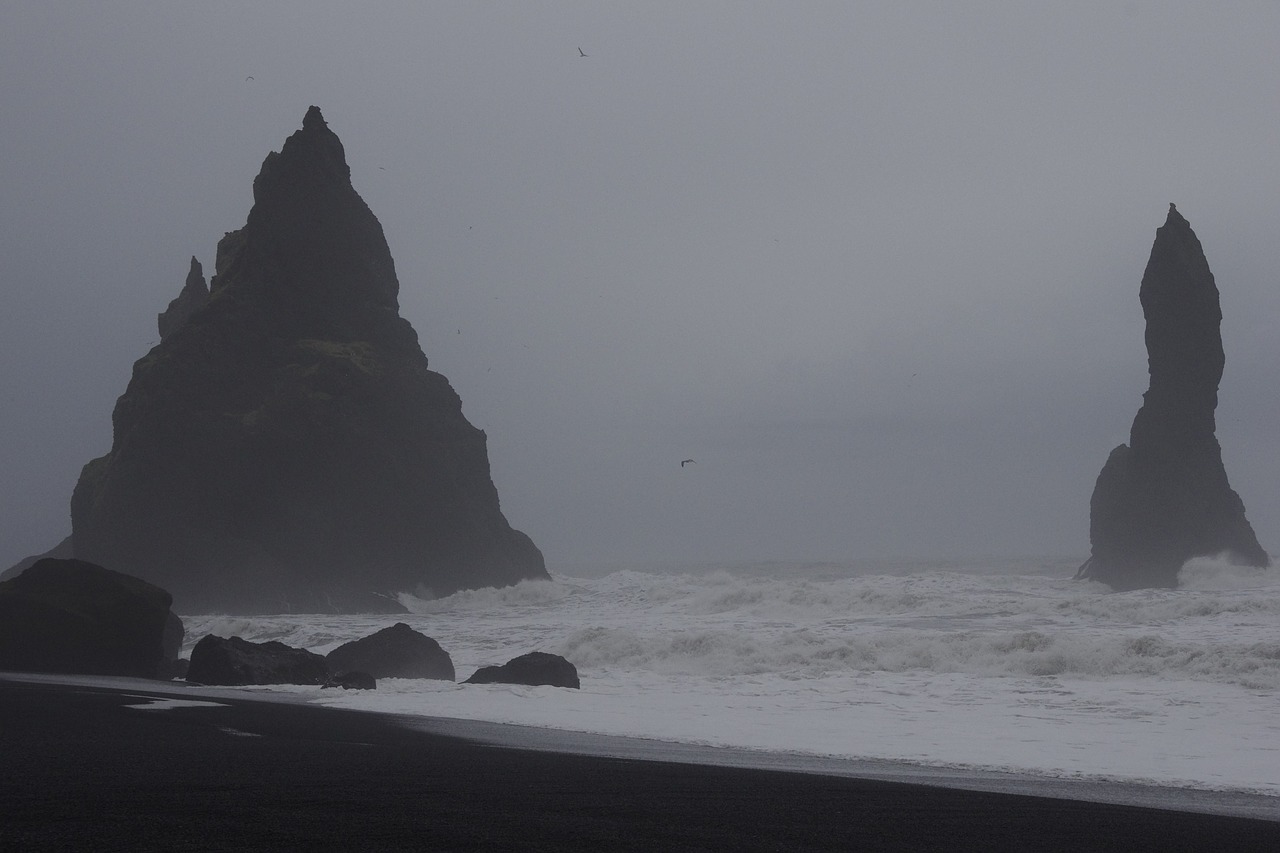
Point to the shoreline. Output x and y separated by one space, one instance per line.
1225 801
518 736
85 753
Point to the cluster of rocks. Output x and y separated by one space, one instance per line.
395 652
73 617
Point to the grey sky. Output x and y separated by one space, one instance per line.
874 266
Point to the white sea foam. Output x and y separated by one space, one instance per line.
1009 665
170 704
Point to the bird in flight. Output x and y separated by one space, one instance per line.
582 55
247 79
684 462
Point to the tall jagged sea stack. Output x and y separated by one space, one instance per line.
1164 497
285 447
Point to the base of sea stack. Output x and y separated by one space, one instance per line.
115 769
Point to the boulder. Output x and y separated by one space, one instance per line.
175 669
354 680
174 633
61 551
534 669
171 640
395 652
70 616
1164 497
235 661
285 448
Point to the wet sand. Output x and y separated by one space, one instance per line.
85 770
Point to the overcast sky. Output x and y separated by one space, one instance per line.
874 266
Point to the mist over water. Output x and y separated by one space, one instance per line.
998 664
875 268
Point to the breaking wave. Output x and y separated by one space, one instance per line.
721 624
805 654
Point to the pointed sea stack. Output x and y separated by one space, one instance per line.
1164 498
285 448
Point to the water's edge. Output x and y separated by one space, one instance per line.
538 739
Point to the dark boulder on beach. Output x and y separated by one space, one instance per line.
535 668
71 616
237 662
352 681
174 633
284 447
395 652
175 668
1164 497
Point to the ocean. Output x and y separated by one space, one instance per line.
1003 665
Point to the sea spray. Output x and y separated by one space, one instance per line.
1007 664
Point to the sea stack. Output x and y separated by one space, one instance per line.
1164 497
284 447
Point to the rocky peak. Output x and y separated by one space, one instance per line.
320 260
313 120
190 299
290 450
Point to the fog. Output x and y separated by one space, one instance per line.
874 267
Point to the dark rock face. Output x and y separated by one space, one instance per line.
395 652
70 616
235 662
1164 498
354 680
61 551
286 448
175 669
533 669
174 633
190 299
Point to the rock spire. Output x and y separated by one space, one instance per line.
286 448
189 300
1164 497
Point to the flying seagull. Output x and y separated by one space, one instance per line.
581 54
247 79
684 462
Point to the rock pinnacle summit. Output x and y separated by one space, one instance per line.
189 300
284 447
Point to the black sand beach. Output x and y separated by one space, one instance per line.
85 771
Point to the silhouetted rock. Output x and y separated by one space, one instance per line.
175 668
287 448
533 669
395 652
354 680
62 551
236 661
174 633
190 299
70 616
1164 498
